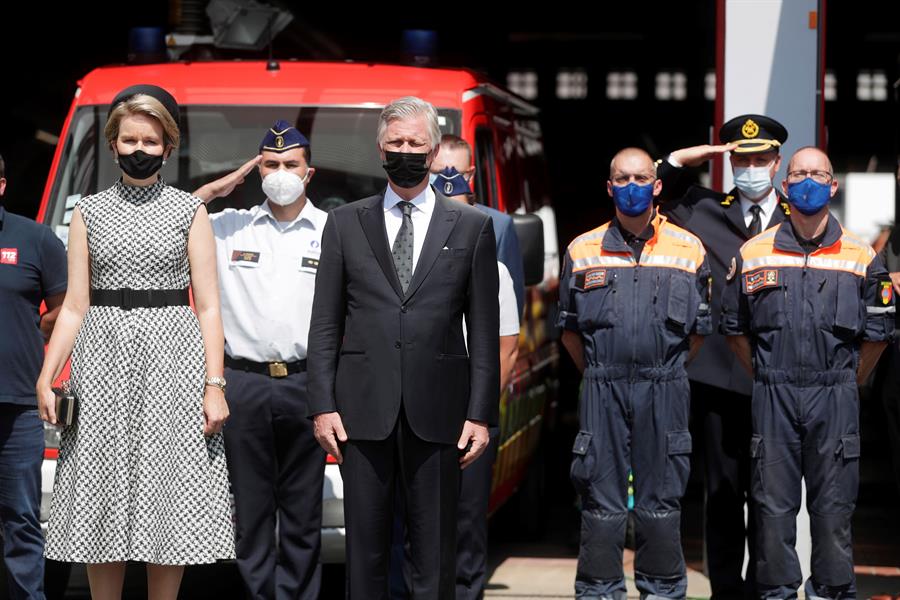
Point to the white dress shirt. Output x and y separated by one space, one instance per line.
423 207
509 307
767 204
267 275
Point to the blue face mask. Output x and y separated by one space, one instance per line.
432 177
808 196
633 199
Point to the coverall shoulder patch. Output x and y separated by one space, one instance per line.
761 279
595 278
886 292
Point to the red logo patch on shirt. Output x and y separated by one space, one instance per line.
761 279
9 256
595 278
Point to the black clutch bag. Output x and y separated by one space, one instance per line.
66 405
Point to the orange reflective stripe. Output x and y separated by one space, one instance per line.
670 247
849 254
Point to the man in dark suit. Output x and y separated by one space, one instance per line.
393 392
720 388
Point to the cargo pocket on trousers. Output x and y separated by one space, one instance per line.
845 479
678 463
757 456
583 460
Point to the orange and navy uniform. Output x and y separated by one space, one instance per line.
806 307
635 309
636 313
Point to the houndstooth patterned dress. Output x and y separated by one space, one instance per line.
136 478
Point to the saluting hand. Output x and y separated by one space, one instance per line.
329 430
697 155
477 433
223 186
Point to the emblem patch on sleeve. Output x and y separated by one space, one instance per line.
886 292
244 256
761 279
595 278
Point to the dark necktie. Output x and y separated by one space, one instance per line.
403 246
755 221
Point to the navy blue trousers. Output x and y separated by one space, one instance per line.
21 454
277 470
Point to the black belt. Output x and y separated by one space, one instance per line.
127 298
272 369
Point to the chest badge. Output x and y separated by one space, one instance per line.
9 256
761 279
887 292
244 256
595 278
309 263
732 270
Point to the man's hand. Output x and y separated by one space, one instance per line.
329 430
477 433
895 279
697 155
223 186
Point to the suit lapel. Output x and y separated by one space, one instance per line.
371 218
782 210
731 209
443 220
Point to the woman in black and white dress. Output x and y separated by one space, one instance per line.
141 475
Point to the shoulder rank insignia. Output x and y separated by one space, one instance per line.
732 270
786 208
761 279
728 200
887 292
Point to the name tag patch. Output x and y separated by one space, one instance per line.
595 278
309 263
761 279
244 256
9 256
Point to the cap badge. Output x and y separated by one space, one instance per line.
750 129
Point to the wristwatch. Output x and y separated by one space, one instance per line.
218 382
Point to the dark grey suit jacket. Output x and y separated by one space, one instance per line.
371 347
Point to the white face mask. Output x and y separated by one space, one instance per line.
753 181
283 187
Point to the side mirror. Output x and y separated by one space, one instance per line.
530 230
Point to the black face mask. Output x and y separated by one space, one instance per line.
406 169
139 164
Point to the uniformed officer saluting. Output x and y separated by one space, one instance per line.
267 258
633 299
720 389
810 307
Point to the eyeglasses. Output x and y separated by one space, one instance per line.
640 179
817 176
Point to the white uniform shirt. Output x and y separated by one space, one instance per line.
509 308
267 275
767 204
423 206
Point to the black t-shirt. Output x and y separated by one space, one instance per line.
32 267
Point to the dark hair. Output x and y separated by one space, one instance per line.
2 167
